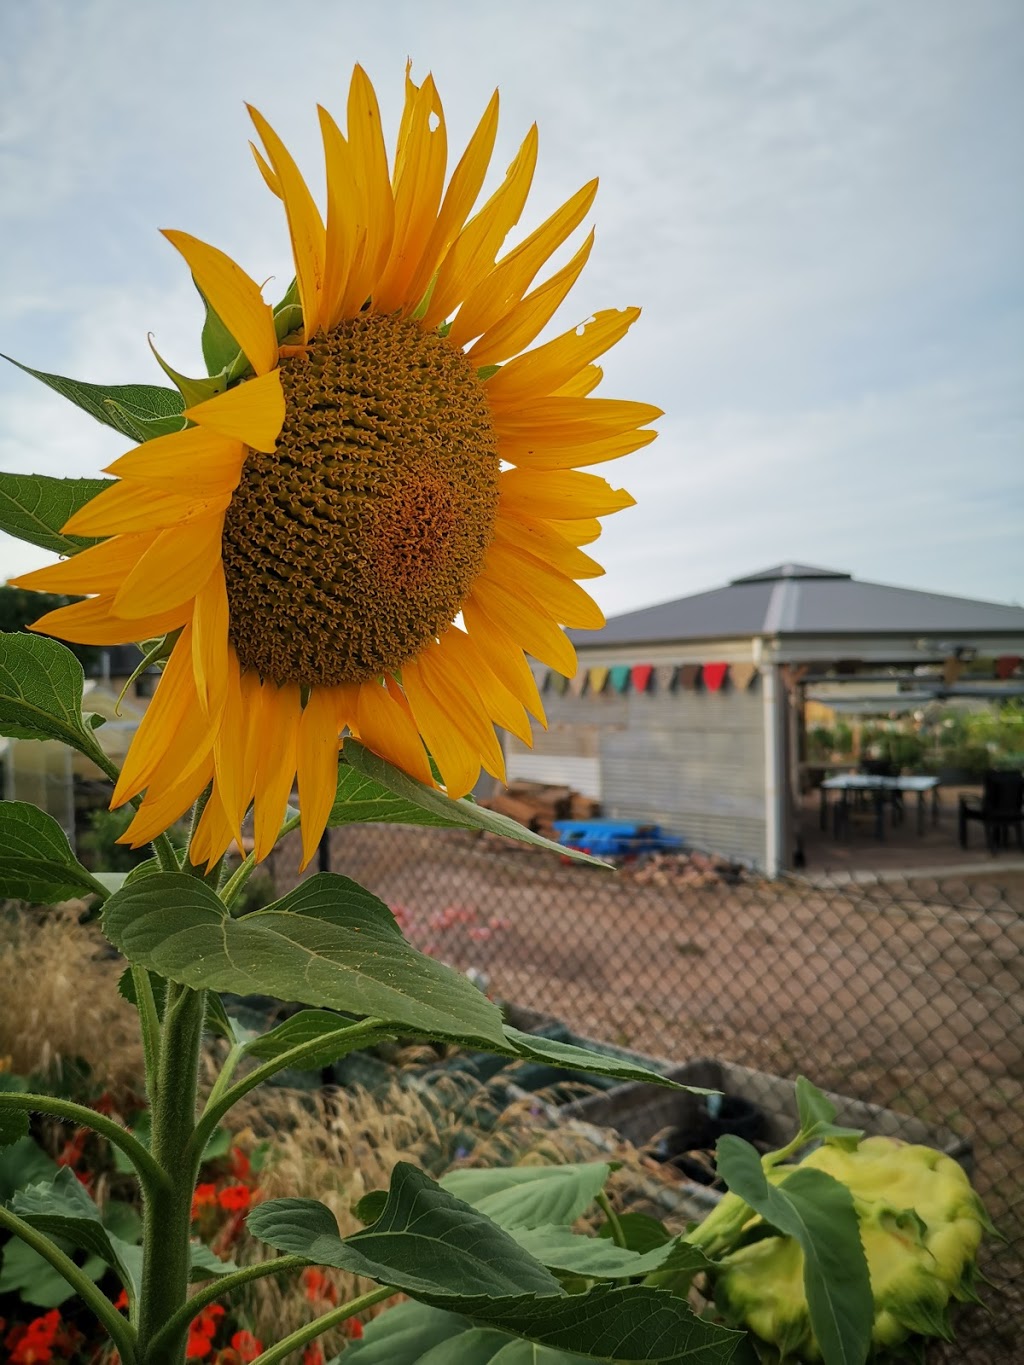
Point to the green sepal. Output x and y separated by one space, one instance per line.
193 391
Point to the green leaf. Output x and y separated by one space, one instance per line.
218 1021
206 1265
370 790
36 862
328 942
817 1113
627 1324
818 1212
325 1028
23 1163
413 1334
539 1049
34 1280
34 507
106 402
640 1231
599 1259
530 1196
146 428
426 1242
63 1209
41 692
13 1126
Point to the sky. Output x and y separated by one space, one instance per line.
819 207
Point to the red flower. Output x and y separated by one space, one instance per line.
313 1355
319 1287
241 1166
205 1197
33 1345
74 1149
121 1301
234 1197
247 1346
353 1328
198 1345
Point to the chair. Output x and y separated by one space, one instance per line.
884 767
1000 809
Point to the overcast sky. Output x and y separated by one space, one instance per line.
819 206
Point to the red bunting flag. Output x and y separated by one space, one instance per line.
640 676
1006 666
714 675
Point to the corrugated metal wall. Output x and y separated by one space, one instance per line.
691 761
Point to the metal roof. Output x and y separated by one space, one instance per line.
797 599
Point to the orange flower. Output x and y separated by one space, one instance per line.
205 1197
234 1197
241 1166
247 1346
319 1288
122 1300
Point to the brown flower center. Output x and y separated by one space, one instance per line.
357 540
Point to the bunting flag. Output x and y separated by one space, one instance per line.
618 677
598 678
742 675
714 675
640 676
951 670
794 674
1006 665
689 674
665 677
578 682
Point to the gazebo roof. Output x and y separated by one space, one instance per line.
799 599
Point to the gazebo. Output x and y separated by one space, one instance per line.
689 713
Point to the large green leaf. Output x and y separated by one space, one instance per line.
62 1208
425 1242
34 507
597 1258
817 1117
36 862
530 1196
818 1212
323 1032
25 1273
371 790
536 1048
413 1334
41 691
115 405
14 1123
328 942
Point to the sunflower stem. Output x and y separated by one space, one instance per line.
318 1326
235 884
225 1284
167 1212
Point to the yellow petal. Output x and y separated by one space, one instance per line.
210 648
196 459
344 230
233 296
370 164
546 368
175 695
125 507
539 538
549 455
463 188
581 384
269 176
472 254
173 569
100 569
419 179
459 697
252 412
275 769
457 651
521 617
528 318
458 761
317 765
561 494
387 729
305 226
504 658
161 809
576 420
504 286
583 531
214 834
92 622
560 596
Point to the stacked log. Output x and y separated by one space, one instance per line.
537 806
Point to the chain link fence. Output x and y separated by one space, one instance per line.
905 995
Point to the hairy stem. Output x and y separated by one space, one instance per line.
305 1335
235 884
119 1329
149 1021
167 1213
149 1169
217 1289
605 1204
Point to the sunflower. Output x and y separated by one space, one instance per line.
371 528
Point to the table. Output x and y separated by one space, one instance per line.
880 788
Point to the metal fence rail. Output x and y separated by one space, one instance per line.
907 994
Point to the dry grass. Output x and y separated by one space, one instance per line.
59 1006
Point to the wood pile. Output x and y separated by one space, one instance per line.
685 869
538 806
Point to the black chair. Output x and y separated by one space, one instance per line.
884 767
1000 809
